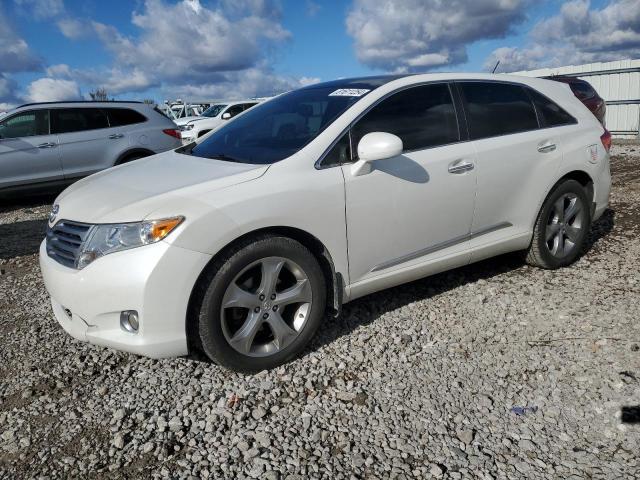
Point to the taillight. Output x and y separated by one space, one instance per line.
174 132
605 138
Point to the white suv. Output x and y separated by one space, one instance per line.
213 117
241 244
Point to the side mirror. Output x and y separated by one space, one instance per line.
226 116
375 146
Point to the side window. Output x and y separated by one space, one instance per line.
422 117
67 120
234 110
552 114
497 109
119 117
26 124
339 154
247 106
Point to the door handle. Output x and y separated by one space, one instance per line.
116 136
47 145
460 166
546 147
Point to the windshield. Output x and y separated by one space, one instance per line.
213 110
274 130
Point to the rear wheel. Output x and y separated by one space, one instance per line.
262 306
561 228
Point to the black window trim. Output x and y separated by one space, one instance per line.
526 88
449 83
15 114
104 111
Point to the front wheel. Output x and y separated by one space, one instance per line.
561 228
263 304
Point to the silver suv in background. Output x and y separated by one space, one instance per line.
56 143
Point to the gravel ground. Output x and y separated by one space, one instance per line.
414 382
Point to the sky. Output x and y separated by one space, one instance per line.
213 49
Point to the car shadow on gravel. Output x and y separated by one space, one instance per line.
11 203
366 310
21 238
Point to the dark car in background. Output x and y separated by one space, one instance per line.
586 94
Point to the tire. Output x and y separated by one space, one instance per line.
561 227
250 321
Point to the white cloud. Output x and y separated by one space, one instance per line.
188 41
253 82
74 28
578 34
411 35
15 54
52 89
41 9
304 81
313 8
61 70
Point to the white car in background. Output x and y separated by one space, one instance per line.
216 115
241 244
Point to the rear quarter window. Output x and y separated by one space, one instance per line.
494 109
551 114
119 117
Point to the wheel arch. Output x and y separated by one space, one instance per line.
131 152
580 176
334 280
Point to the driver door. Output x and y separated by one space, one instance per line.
418 206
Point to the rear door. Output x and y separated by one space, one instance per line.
127 130
82 132
28 152
515 158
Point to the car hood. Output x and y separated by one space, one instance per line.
132 191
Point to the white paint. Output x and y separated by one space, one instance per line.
405 204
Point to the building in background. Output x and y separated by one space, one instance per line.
617 82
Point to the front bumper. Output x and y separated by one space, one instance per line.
155 280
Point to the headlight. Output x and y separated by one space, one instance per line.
110 238
187 127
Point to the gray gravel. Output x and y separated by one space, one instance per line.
414 382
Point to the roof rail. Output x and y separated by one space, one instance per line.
78 101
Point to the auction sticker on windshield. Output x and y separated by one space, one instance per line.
349 92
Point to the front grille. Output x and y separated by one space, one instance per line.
64 241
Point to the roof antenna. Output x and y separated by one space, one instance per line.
496 67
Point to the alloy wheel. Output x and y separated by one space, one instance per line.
266 306
565 225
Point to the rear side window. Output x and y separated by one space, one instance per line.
422 117
25 124
119 117
67 120
551 114
494 109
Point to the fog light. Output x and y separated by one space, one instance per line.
129 321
